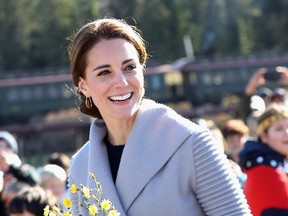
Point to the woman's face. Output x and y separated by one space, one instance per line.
277 137
114 79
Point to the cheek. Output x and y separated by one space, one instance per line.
139 79
272 137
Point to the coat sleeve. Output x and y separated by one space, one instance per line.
217 187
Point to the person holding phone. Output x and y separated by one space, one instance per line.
257 84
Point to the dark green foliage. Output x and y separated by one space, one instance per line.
33 33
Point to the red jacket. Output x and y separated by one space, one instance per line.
266 187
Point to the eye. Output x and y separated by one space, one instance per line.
131 67
103 73
280 128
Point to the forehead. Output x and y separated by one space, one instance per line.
112 49
280 122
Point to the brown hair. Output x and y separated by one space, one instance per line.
91 34
273 113
33 200
233 127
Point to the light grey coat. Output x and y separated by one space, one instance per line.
169 166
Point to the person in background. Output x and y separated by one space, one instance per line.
279 95
1 181
31 202
3 211
12 165
61 160
14 172
11 190
256 86
235 133
148 158
8 155
251 122
53 180
265 163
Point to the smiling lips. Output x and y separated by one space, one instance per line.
121 97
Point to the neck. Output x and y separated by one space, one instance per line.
118 131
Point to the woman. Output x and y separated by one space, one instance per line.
265 163
149 160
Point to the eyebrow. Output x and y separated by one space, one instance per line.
107 65
101 66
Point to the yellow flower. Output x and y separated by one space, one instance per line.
99 205
55 209
67 202
92 210
113 213
46 211
105 205
73 189
52 214
86 192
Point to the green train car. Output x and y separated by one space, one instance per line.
199 82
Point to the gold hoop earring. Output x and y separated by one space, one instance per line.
88 102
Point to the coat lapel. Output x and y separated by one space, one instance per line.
99 165
153 140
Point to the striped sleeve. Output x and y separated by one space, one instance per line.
217 187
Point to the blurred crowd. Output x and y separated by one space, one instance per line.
26 190
255 142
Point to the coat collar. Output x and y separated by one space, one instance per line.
99 164
153 140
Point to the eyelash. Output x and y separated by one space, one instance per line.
105 72
131 67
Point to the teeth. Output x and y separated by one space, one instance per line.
121 97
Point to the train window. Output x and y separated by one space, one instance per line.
12 95
52 91
38 92
155 82
207 78
25 93
173 78
230 76
218 79
193 77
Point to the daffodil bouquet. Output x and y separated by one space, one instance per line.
99 206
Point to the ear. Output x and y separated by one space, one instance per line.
264 137
82 84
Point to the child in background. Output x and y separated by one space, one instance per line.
235 133
265 163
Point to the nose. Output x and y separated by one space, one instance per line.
120 80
